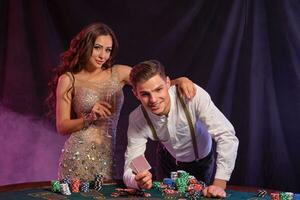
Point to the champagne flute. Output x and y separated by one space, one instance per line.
109 99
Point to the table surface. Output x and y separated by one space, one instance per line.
42 190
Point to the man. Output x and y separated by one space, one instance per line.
184 128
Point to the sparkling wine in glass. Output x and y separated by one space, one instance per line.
109 98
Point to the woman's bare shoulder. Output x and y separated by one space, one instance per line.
65 79
122 67
123 72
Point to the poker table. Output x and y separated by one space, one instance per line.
42 190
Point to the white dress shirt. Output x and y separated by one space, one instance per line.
174 133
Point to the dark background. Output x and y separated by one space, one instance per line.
245 53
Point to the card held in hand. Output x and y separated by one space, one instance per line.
139 164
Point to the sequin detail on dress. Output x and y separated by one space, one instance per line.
89 152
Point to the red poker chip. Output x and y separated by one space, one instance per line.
198 187
130 190
115 194
193 181
147 194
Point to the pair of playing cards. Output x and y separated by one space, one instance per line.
139 164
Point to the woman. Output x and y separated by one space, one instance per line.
87 95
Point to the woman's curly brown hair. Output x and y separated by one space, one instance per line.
75 58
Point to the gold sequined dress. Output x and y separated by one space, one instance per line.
90 151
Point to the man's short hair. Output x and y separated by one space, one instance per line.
146 70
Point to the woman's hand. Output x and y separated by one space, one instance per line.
186 87
101 109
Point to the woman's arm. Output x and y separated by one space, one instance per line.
123 73
64 123
185 85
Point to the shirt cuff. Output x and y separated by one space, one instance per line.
129 180
222 174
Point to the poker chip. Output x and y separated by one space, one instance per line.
192 180
156 184
55 186
169 182
146 194
129 192
98 184
66 180
114 194
286 195
275 196
163 187
193 195
290 195
261 193
169 191
170 194
202 183
65 190
141 193
174 176
296 196
190 187
84 186
75 185
181 185
180 173
199 187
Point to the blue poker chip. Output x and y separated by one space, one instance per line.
84 186
168 181
66 180
296 196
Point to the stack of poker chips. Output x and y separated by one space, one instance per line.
65 186
174 176
55 186
193 195
180 184
75 185
84 187
261 193
296 196
65 190
156 185
129 192
194 189
170 194
98 182
284 196
66 180
182 180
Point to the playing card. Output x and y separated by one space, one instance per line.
139 164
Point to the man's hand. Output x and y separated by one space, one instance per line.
186 87
144 180
217 189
